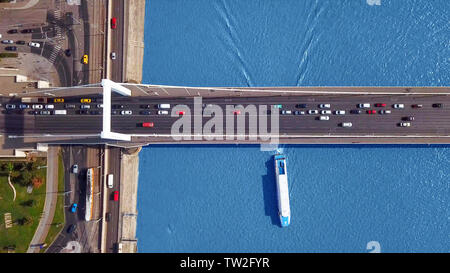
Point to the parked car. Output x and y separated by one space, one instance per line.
324 105
356 112
126 112
33 44
147 124
75 168
12 31
302 105
73 209
72 228
364 105
404 124
70 106
27 30
11 48
410 118
380 104
399 106
385 112
313 112
417 106
371 112
20 42
7 42
437 105
339 112
144 112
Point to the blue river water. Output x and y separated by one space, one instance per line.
222 198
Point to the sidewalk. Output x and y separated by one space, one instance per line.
50 200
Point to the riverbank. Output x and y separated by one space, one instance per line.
133 49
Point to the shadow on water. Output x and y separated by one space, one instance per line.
270 193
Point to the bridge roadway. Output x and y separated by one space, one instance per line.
428 120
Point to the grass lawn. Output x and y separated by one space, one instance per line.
20 236
58 219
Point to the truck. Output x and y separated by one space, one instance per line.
60 112
34 100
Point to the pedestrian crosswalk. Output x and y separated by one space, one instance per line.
54 53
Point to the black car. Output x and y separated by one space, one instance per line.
96 112
68 52
437 105
356 111
410 118
115 112
146 106
72 228
26 30
20 42
108 216
296 112
11 48
301 106
83 112
12 31
118 106
144 112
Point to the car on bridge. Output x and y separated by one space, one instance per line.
145 106
286 112
58 100
108 216
410 118
371 112
163 112
70 106
145 112
398 106
85 100
118 106
385 112
417 106
45 112
356 112
10 106
38 106
24 106
324 105
147 124
339 112
324 118
380 104
73 209
126 112
364 105
325 112
83 112
180 113
346 124
301 105
85 106
278 106
299 112
313 112
437 105
49 106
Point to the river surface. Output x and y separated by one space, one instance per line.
222 198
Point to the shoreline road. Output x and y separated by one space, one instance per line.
426 120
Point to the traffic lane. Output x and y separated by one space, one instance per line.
117 36
113 206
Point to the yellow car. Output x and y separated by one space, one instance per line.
85 100
85 59
58 100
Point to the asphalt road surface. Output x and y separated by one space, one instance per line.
427 120
113 206
117 37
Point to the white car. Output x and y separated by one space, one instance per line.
286 112
399 106
0 36
126 112
113 55
384 112
37 106
324 118
49 106
99 105
85 106
313 112
7 42
324 105
325 112
346 124
32 44
163 112
404 124
364 105
339 112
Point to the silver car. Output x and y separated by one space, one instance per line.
126 112
113 55
313 112
7 42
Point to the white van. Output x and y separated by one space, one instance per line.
324 118
110 181
164 106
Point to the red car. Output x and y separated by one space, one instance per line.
116 195
113 22
237 112
180 113
371 112
380 104
147 124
